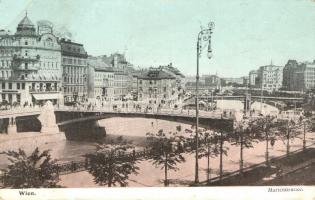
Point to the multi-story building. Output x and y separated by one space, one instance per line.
304 78
30 65
269 77
174 72
101 80
299 76
289 71
74 64
190 88
245 81
228 81
157 87
121 81
252 77
117 61
213 82
104 84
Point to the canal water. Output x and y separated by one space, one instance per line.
131 129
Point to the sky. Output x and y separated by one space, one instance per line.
247 33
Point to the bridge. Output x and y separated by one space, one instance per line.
79 120
242 97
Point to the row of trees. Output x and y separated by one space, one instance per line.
110 168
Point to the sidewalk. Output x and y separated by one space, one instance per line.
262 174
151 176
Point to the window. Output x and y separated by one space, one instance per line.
10 86
26 43
18 98
3 85
26 65
23 86
18 86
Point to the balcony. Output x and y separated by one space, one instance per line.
19 58
42 90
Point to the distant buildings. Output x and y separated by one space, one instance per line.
213 82
270 77
207 84
299 76
227 81
289 75
252 77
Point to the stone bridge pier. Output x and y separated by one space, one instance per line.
88 130
12 128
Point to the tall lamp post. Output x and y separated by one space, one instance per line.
203 35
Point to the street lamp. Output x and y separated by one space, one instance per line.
203 36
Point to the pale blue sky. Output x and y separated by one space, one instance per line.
247 34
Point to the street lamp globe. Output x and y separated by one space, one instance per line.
211 25
209 54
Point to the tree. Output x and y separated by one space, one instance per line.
166 150
222 137
207 147
287 129
111 166
210 148
243 137
307 126
34 171
263 127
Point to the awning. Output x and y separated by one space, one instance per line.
46 96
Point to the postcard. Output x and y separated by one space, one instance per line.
157 99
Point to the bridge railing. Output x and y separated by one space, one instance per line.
19 110
177 112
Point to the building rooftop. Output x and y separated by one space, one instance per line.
120 72
26 23
69 48
105 69
26 27
155 75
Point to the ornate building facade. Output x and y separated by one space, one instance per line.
30 66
